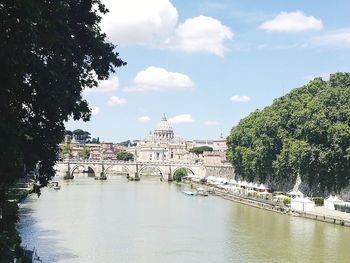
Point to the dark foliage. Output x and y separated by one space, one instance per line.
201 149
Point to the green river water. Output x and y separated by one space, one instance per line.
151 221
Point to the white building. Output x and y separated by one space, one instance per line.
331 201
162 145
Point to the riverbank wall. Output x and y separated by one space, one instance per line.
11 250
324 216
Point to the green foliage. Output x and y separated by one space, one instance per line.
85 152
49 51
201 149
305 132
127 143
68 132
95 140
125 156
66 150
286 201
81 134
319 201
179 173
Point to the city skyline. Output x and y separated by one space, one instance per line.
194 62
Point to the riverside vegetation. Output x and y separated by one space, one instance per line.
306 133
50 52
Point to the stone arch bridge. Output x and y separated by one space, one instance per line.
134 169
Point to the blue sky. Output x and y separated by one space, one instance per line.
207 64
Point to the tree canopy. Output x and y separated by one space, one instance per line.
127 143
49 51
179 173
125 156
201 149
306 132
85 152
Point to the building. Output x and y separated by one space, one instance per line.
161 145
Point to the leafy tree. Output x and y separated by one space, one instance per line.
81 134
66 150
179 173
305 132
68 132
125 156
95 140
127 143
85 152
49 51
201 149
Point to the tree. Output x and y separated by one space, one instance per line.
81 134
85 152
306 133
127 143
49 51
125 156
95 140
179 173
66 150
68 132
201 149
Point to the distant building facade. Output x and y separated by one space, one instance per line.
161 145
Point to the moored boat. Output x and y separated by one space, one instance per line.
189 193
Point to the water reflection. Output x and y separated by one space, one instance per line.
152 221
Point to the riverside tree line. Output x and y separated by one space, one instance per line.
306 133
49 51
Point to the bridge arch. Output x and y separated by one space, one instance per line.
114 165
82 165
152 166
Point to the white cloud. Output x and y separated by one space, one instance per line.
211 123
339 38
155 23
159 79
325 76
200 34
182 118
139 21
114 100
143 119
238 98
292 22
94 110
108 85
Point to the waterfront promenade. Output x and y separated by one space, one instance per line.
320 213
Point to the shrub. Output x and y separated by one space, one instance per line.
319 201
179 173
286 201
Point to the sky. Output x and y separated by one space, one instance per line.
206 64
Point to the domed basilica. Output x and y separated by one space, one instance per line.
162 145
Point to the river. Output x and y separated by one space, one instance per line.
151 221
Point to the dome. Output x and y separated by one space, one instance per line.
164 125
163 130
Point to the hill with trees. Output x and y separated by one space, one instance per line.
305 132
